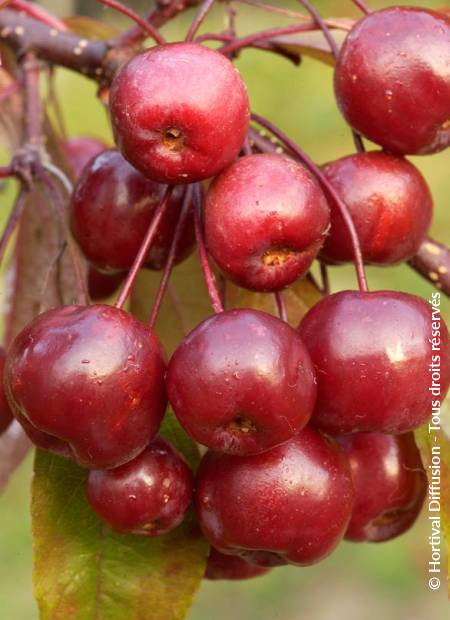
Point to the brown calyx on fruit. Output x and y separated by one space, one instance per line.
173 139
277 256
241 424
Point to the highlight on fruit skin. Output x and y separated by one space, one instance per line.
390 204
242 382
372 375
390 485
177 125
266 219
111 227
299 494
102 390
397 59
149 495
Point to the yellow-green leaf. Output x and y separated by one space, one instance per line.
85 571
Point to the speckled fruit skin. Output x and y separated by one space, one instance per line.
111 209
102 285
149 495
242 382
180 112
265 220
92 377
390 204
5 411
390 485
231 567
79 150
392 79
371 353
291 504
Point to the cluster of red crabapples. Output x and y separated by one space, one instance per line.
308 429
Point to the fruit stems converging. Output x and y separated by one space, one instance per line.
199 19
146 26
208 275
187 202
281 306
145 247
317 172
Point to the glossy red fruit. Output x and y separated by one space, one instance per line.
390 485
231 567
149 495
390 204
180 112
80 150
265 220
44 441
290 504
5 412
242 382
372 354
92 377
111 209
102 285
392 81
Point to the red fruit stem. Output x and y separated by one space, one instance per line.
158 16
170 262
265 46
362 5
145 25
37 12
143 250
199 19
281 306
322 25
317 172
273 9
12 221
231 18
335 51
264 35
208 275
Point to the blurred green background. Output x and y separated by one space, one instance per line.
359 582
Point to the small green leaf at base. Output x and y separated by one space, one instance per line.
85 571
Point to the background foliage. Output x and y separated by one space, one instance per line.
360 582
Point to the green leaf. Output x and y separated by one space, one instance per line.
85 571
438 443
